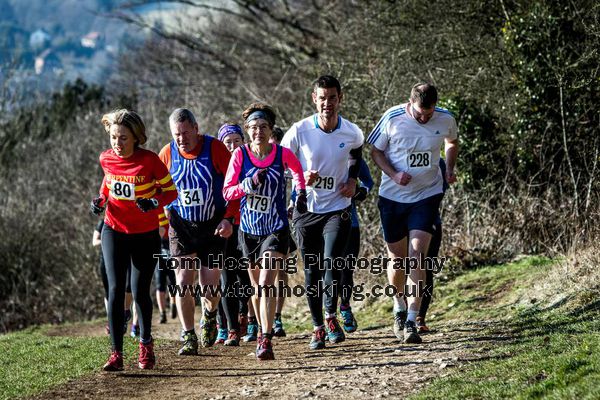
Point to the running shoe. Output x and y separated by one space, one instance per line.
278 330
163 318
190 345
233 339
208 330
350 324
173 311
264 349
221 336
399 319
243 321
335 332
318 339
252 332
146 360
135 331
115 362
421 325
410 333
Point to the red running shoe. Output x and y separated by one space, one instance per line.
146 359
115 362
264 350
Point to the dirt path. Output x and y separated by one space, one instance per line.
370 362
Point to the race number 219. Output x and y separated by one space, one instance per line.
325 183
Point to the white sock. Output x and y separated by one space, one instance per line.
399 304
412 316
328 316
316 328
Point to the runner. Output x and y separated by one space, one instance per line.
162 273
256 176
282 276
199 221
406 146
130 234
329 148
236 306
353 249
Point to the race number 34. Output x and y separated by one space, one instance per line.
419 160
258 203
325 183
122 190
191 197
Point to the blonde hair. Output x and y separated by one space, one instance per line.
129 119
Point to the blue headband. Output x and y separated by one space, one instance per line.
258 115
227 130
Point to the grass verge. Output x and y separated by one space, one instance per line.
32 361
555 353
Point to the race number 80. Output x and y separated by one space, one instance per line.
123 190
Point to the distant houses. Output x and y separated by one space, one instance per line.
92 40
39 40
47 60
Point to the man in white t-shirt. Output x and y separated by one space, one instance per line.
329 148
407 142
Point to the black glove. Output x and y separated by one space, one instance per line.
360 194
301 199
146 204
259 177
97 205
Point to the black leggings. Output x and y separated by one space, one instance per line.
102 271
122 250
234 305
321 238
347 274
434 249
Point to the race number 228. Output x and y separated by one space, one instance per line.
419 160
